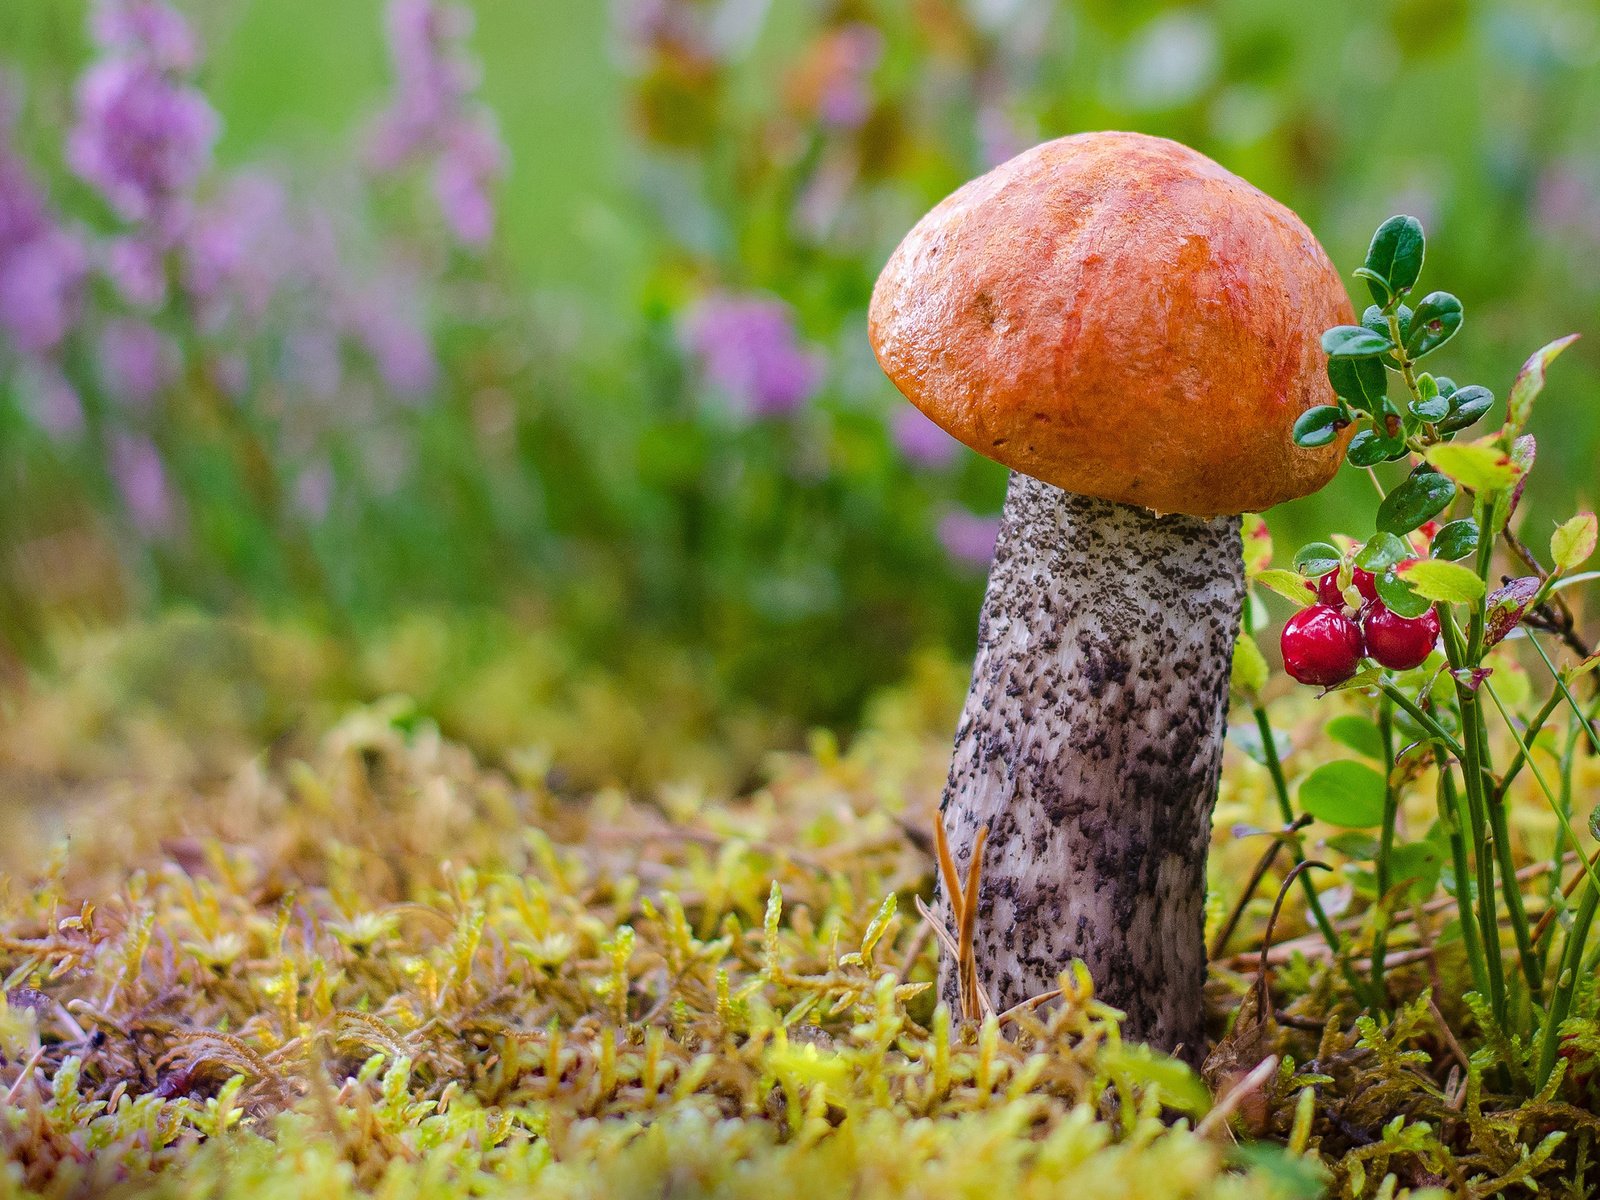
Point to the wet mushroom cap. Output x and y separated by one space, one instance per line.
1119 316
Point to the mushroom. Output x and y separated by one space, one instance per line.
1133 330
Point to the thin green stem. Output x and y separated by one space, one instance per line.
1280 785
1478 813
1517 763
1586 720
1567 977
1450 807
1562 819
1435 731
1391 812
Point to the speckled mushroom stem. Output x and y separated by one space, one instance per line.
1090 745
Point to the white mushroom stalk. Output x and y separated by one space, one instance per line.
1090 746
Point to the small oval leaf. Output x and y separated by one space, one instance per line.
1506 606
1369 448
1318 426
1316 559
1395 256
1420 497
1354 341
1456 540
1398 595
1434 323
1360 382
1481 467
1467 405
1344 793
1444 582
1382 550
1572 543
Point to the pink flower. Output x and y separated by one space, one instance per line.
920 440
749 350
142 138
969 538
51 400
137 362
41 286
145 29
433 119
141 478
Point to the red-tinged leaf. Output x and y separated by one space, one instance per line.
1506 606
1530 382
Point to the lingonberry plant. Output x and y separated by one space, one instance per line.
1446 602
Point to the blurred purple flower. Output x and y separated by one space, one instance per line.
42 266
920 440
138 270
432 116
145 29
854 52
141 478
143 137
391 330
41 286
312 492
749 350
238 250
137 362
967 537
468 165
51 400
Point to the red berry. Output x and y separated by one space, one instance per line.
1427 529
1397 642
1321 645
1328 592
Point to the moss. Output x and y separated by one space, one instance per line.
365 962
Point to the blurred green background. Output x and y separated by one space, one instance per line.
582 470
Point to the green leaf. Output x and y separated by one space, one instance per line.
1358 733
1377 320
1359 846
1444 582
1354 341
1418 863
1481 467
1316 559
1420 497
1398 595
1395 257
1529 382
1466 406
1250 671
1456 540
1361 382
1382 550
1344 793
1318 426
1435 322
1288 585
1572 543
1369 448
1432 410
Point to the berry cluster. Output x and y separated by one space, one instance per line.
1323 644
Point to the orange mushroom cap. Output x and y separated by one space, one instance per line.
1119 316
